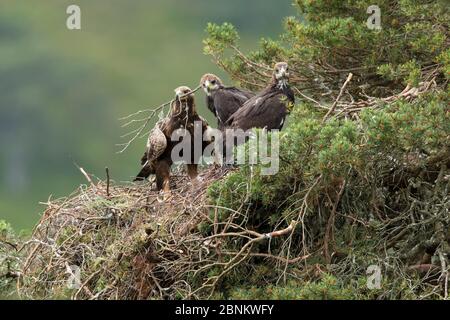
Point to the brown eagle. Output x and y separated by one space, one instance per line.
268 108
157 158
220 100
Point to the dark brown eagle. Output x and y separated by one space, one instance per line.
268 108
222 101
157 158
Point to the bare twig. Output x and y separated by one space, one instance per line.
137 133
107 181
330 224
333 106
86 175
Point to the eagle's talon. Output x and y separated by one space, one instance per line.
230 165
167 195
196 181
164 196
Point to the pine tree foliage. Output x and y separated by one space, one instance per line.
369 183
333 39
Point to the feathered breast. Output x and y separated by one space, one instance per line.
156 142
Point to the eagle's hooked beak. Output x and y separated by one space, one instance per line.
182 95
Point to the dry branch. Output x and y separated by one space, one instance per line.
139 132
333 106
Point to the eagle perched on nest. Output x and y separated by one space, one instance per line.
220 100
268 108
157 158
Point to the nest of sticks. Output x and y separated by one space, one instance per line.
125 242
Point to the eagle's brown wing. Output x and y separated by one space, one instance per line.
267 109
227 101
156 145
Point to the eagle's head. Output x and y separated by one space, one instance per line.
281 71
184 101
210 83
183 94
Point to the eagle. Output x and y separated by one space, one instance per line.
268 108
157 158
222 101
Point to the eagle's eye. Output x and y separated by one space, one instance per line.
213 81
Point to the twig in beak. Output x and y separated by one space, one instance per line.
138 132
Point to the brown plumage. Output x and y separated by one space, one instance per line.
220 100
157 158
268 108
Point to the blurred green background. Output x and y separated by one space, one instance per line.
63 91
